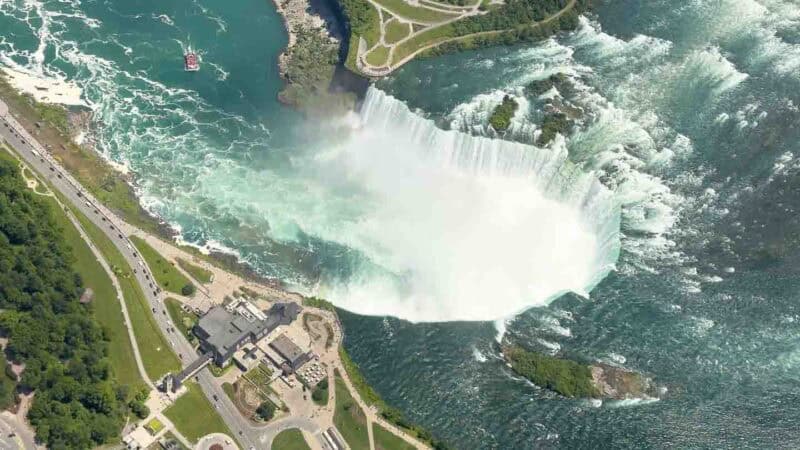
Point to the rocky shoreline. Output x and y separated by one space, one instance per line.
300 15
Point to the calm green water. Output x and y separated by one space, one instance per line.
672 204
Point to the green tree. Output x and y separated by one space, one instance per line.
265 411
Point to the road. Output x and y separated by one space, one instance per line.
39 159
13 435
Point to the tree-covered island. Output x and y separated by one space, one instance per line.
577 380
501 117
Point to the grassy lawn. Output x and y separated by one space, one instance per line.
228 388
154 426
185 321
421 14
194 416
385 440
426 37
291 439
154 348
167 276
349 418
198 273
379 56
396 30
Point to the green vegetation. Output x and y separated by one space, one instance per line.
200 274
538 87
105 304
319 303
260 376
378 56
396 30
78 403
137 404
265 411
308 70
229 391
553 124
419 14
385 440
216 370
566 377
185 321
156 354
291 439
8 384
320 393
370 397
501 117
349 418
362 21
194 416
165 273
154 426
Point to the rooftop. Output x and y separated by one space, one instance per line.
224 330
287 348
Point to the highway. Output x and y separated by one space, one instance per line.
39 159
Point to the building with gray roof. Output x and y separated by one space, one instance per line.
222 332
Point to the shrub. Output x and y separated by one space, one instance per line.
265 411
188 289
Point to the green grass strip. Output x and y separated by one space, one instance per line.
194 416
198 273
166 275
349 418
291 439
156 353
386 440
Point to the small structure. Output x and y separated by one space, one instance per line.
138 439
87 296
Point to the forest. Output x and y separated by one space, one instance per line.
77 402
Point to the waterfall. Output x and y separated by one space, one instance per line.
466 227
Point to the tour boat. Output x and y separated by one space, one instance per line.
191 63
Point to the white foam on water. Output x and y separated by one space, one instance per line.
631 402
478 355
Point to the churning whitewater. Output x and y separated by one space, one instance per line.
462 227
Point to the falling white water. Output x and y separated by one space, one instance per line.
463 227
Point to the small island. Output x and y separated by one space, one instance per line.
575 380
501 117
